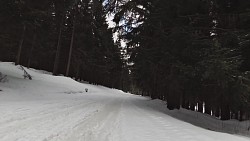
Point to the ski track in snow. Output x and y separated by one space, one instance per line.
113 118
116 117
72 120
51 108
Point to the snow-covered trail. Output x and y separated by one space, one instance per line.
79 118
98 117
50 108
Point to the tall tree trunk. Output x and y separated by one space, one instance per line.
208 108
78 71
58 49
225 112
20 46
192 106
31 50
121 85
184 101
236 115
71 48
241 115
200 107
217 111
174 95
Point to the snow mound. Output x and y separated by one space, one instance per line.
42 86
204 120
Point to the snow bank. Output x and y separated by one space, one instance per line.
42 86
204 120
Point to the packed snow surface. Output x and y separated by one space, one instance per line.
56 108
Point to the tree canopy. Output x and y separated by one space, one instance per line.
190 53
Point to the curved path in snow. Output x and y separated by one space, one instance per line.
107 116
54 108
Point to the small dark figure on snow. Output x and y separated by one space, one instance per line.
86 89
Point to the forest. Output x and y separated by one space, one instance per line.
193 54
66 37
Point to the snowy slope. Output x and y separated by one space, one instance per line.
55 108
206 121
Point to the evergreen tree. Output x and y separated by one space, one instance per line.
52 33
188 52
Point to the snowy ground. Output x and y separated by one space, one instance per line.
50 108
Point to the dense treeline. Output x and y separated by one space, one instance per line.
69 37
190 53
194 54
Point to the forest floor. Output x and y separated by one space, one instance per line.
56 108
